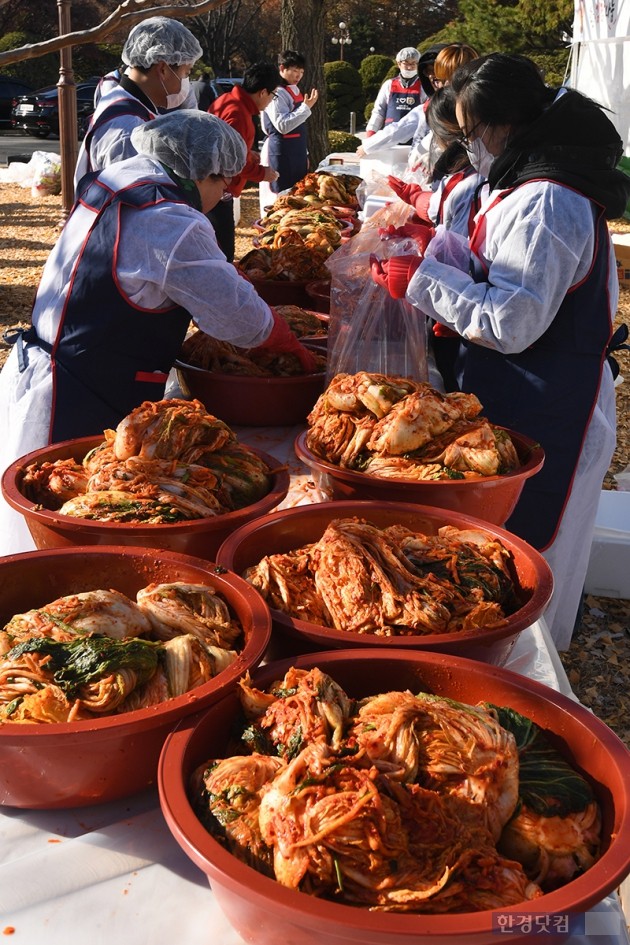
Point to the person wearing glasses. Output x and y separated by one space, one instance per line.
532 296
238 108
136 261
284 123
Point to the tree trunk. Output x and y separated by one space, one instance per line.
302 28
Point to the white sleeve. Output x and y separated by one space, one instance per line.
395 132
379 109
283 116
183 264
112 142
539 242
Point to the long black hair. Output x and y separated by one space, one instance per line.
501 89
442 122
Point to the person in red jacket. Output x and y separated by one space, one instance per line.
238 107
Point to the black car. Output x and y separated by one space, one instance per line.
38 113
10 88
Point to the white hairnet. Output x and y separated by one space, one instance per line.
160 39
192 143
409 52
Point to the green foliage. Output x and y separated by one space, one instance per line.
92 60
367 111
373 71
341 141
344 93
528 27
35 72
87 61
552 64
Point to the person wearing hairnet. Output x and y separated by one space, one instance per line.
159 54
136 260
532 296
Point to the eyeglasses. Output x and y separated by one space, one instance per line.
465 136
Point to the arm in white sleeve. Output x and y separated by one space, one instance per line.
539 242
395 132
282 115
183 264
112 142
379 109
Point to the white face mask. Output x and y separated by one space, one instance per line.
408 73
479 156
177 98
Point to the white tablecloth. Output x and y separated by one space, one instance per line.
113 873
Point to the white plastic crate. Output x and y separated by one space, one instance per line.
608 572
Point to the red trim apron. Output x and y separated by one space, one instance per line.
287 153
549 391
109 355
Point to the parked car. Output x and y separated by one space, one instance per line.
222 85
10 88
38 112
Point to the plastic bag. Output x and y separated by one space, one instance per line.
46 174
368 330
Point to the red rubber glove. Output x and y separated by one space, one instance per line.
414 195
283 341
442 331
419 232
368 134
421 205
406 192
394 274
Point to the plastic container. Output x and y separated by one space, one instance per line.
491 499
71 764
319 295
200 537
385 161
608 572
263 911
253 401
292 528
282 291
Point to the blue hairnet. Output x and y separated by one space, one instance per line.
192 143
160 39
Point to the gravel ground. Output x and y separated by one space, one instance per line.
598 661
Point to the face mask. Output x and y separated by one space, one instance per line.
177 98
480 157
408 73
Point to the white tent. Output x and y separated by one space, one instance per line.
600 58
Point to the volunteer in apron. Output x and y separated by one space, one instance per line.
158 54
398 96
533 297
284 123
135 262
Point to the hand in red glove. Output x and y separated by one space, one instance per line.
413 194
283 341
368 134
394 274
421 205
406 192
419 232
443 331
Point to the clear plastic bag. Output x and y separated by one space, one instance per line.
46 174
368 330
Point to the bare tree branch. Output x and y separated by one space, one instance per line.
128 14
